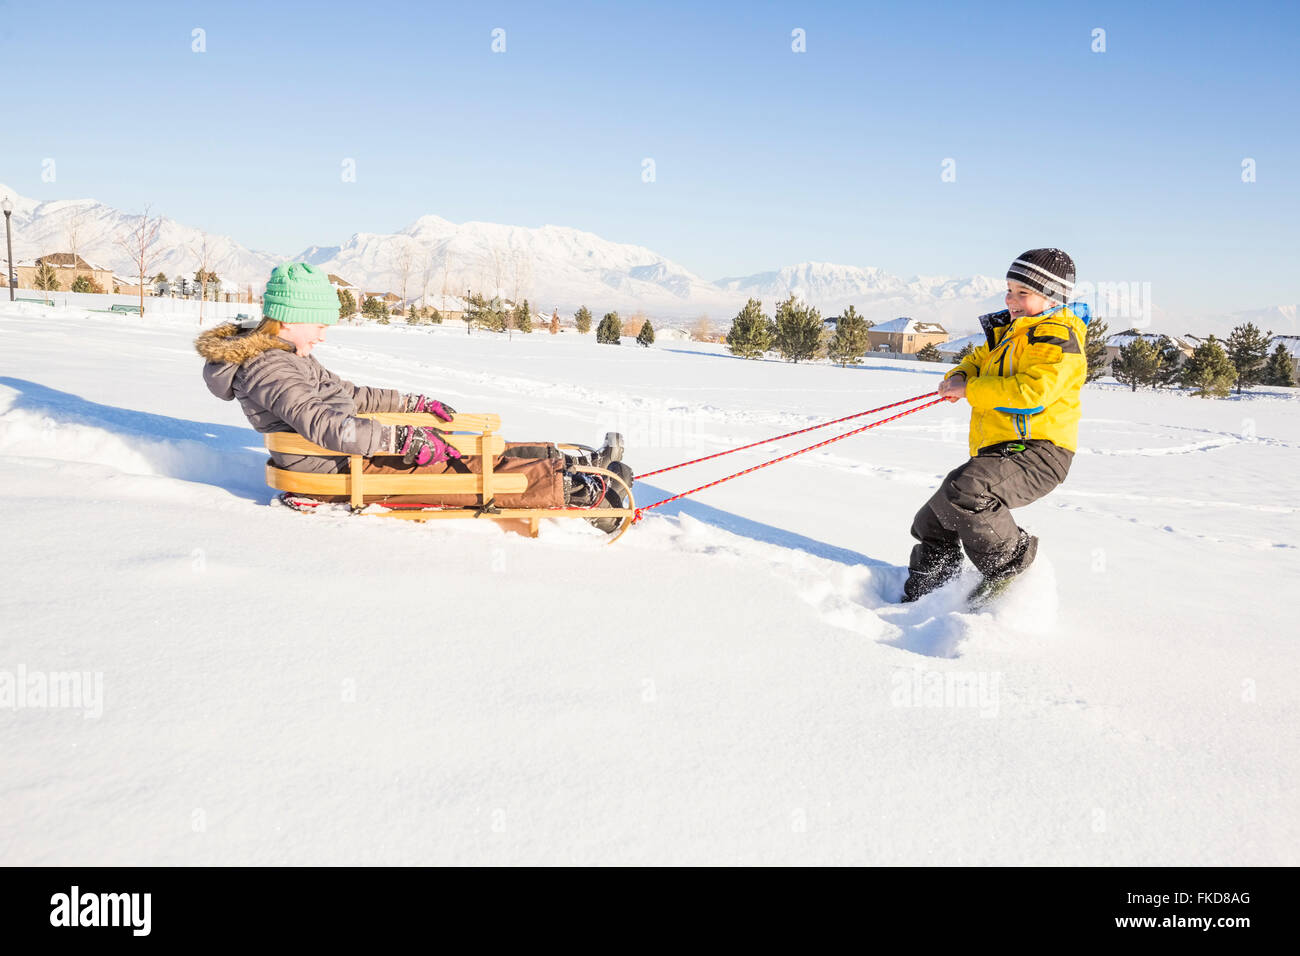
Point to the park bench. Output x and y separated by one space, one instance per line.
124 308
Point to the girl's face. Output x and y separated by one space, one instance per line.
1022 300
302 335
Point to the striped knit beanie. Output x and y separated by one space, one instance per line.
1049 272
299 292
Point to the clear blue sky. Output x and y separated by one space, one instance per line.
1128 159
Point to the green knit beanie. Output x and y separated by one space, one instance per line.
299 292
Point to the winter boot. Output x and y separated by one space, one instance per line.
930 570
611 451
998 580
581 489
614 497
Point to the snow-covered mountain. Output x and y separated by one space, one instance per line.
552 266
876 294
94 229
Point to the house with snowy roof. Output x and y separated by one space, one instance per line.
949 350
1120 339
67 267
1292 344
905 335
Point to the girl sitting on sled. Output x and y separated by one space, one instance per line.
280 387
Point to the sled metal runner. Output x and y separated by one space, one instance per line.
471 435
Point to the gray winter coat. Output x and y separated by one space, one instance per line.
280 390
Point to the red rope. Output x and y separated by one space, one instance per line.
810 428
821 444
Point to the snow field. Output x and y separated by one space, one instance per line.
731 682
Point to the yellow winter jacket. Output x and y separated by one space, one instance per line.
1025 382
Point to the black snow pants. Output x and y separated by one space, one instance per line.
972 511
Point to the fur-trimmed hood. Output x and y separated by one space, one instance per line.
227 347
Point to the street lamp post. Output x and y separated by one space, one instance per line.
8 207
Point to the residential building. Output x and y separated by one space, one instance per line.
905 336
1117 341
67 268
1292 344
949 350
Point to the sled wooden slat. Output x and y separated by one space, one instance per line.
291 443
356 485
461 423
350 484
356 480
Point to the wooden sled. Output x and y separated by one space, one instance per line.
471 435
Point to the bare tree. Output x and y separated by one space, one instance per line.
141 244
632 324
521 270
201 276
446 267
72 229
498 272
426 276
403 260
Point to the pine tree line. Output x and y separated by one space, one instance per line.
1214 368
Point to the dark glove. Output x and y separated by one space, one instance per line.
418 403
422 445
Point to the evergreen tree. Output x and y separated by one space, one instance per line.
524 317
850 341
646 336
82 284
751 332
929 353
1170 359
610 329
347 304
160 277
435 317
582 320
374 308
798 330
486 313
1209 371
498 316
1248 352
965 351
1138 363
1280 368
1094 345
47 280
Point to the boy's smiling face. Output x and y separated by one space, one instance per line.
1022 300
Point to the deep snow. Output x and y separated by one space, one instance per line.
729 683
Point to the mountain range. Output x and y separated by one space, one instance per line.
554 267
